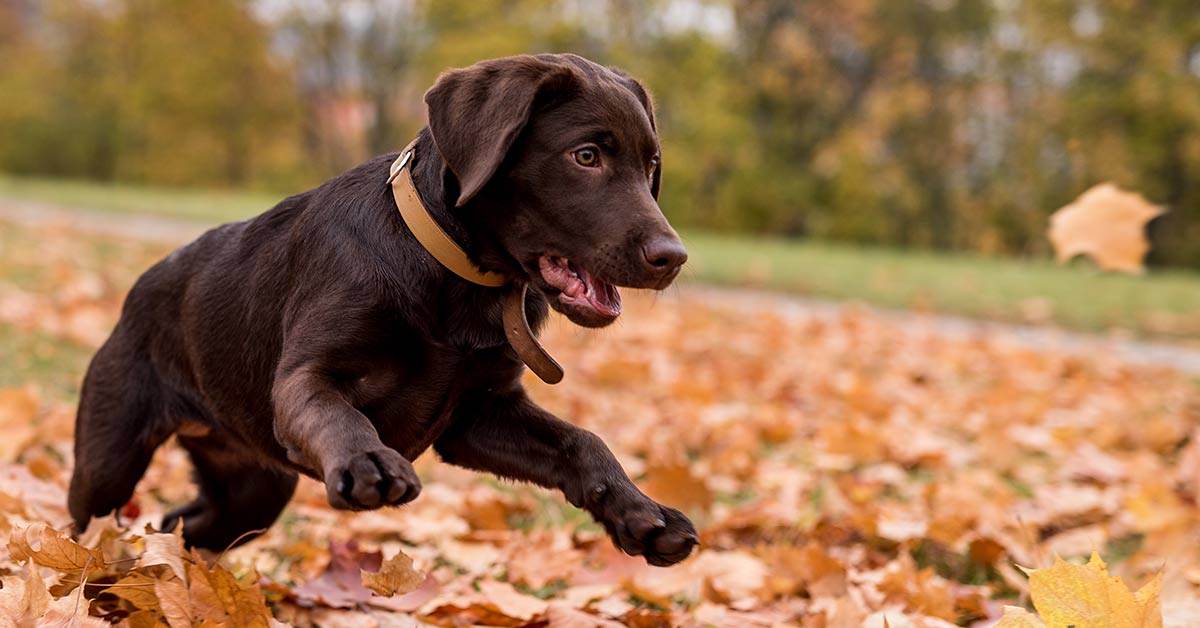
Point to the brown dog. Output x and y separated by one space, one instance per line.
322 338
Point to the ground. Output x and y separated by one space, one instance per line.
843 465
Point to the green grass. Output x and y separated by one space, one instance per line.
1163 303
1078 296
57 365
208 206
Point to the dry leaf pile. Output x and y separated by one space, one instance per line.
844 469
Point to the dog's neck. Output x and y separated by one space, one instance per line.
432 202
437 188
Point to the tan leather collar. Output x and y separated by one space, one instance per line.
448 253
440 245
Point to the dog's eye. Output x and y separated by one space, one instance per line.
587 157
653 166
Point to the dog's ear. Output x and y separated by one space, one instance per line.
643 97
476 113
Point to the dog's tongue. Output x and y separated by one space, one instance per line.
579 287
602 296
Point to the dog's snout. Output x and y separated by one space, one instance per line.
664 255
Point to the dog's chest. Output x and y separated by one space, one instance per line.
412 400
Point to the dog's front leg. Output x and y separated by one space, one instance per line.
325 434
507 434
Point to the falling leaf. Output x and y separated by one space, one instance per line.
1107 224
395 576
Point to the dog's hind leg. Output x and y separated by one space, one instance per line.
122 419
238 493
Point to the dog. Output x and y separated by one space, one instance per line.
322 337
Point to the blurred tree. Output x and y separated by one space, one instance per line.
140 90
952 124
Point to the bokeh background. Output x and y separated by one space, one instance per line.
940 124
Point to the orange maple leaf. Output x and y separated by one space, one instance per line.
1107 224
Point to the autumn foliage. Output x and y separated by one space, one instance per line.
844 467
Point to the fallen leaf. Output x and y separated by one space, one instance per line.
341 585
174 603
138 589
560 615
72 610
50 548
511 602
217 598
164 549
1017 617
1088 596
24 598
676 484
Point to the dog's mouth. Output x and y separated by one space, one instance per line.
585 298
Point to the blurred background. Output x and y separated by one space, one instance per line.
951 126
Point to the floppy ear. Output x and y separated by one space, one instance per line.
643 97
476 113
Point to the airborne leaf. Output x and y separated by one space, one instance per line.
395 576
1107 224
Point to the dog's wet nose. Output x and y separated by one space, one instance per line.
664 255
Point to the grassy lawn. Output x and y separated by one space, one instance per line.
1162 303
209 206
56 364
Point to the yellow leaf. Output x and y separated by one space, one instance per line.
1107 224
395 576
1017 617
50 548
1089 597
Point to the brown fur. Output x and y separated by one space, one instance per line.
321 338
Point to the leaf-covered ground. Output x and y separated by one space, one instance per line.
842 466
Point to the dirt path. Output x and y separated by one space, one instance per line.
1155 352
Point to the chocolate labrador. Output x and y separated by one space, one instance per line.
323 338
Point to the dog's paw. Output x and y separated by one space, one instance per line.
371 479
660 534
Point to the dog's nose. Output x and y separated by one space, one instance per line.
664 255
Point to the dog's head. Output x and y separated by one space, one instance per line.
559 158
